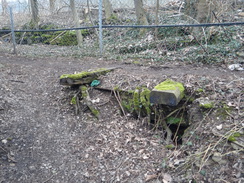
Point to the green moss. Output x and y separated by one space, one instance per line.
127 101
136 62
145 100
233 136
136 101
112 19
127 106
189 98
73 100
94 111
9 138
173 120
209 105
199 90
170 146
67 39
84 32
83 74
171 85
83 91
116 88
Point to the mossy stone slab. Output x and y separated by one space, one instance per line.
168 93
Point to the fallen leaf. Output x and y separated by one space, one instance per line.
167 178
150 177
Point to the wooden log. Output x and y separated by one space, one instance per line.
84 77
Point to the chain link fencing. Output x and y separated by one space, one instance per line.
192 44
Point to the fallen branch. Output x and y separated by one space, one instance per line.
58 36
119 101
220 135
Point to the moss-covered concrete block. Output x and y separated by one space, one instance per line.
168 93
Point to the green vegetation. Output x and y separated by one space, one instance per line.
170 146
61 38
200 90
208 105
233 136
224 111
95 112
173 120
84 91
73 100
137 101
145 101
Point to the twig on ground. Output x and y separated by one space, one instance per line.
50 177
238 106
226 137
118 100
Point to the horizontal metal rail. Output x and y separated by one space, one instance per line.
132 26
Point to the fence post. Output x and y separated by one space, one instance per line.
100 27
12 29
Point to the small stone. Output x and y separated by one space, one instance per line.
241 14
167 178
237 67
86 174
177 162
32 167
219 127
4 141
127 173
145 156
217 157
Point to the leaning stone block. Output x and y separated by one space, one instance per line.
168 93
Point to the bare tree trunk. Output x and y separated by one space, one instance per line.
4 7
200 10
76 21
34 13
108 9
90 17
140 12
52 6
156 19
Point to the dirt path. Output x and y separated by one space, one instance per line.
43 141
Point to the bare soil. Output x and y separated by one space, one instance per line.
42 140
